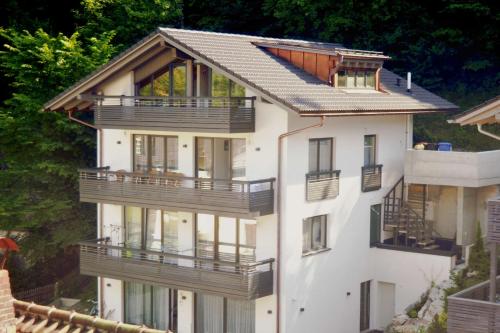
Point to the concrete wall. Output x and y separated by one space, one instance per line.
411 273
452 168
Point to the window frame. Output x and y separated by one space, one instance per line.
212 149
356 71
149 140
373 242
374 148
149 80
144 217
323 220
318 156
172 299
230 85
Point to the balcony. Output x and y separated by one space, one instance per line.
469 311
371 177
186 114
177 271
248 199
467 169
322 185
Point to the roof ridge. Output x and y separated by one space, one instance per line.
229 34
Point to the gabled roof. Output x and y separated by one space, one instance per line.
487 112
242 59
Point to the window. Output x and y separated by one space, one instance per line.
228 239
356 78
364 311
320 155
375 220
151 229
155 153
370 150
314 234
168 81
220 158
153 306
216 314
221 86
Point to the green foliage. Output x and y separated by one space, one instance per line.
439 324
131 20
40 151
478 258
415 308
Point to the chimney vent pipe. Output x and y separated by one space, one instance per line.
408 82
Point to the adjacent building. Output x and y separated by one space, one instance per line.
249 184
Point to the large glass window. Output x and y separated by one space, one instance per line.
314 234
225 238
215 314
220 158
155 153
221 86
168 81
151 229
370 150
153 306
356 78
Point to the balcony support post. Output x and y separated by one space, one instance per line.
493 272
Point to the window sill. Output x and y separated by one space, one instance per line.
311 253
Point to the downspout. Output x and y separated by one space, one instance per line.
99 164
482 131
278 211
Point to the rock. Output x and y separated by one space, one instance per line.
399 320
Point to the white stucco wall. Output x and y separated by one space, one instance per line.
261 162
411 273
325 285
320 283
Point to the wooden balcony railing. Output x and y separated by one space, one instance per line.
177 271
176 192
371 177
469 311
188 114
322 185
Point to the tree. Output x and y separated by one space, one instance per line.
41 151
130 20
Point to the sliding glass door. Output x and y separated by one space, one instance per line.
226 239
220 158
153 306
215 314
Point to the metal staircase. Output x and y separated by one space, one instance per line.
404 215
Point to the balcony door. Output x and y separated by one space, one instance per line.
150 229
220 158
225 239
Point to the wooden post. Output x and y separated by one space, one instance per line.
493 272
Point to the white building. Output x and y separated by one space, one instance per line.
246 179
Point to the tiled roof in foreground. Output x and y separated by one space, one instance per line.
240 56
33 318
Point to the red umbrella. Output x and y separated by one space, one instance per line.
8 245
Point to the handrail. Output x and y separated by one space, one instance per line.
177 177
90 97
97 244
319 173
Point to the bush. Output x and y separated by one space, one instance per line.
478 257
438 324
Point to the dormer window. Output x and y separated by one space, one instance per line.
356 78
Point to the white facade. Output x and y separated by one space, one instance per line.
319 292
